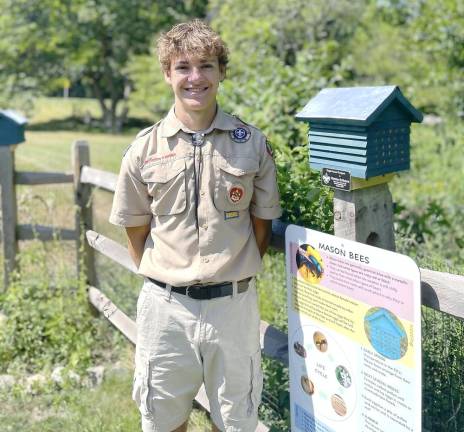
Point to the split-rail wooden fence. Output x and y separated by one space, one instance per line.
440 291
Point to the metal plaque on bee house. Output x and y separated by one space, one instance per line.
362 130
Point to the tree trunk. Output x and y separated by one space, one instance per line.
106 112
111 121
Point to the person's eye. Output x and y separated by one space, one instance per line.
207 66
181 68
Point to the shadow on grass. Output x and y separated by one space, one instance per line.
91 125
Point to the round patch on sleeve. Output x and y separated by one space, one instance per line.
241 134
235 193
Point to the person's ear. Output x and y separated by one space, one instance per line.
222 73
167 76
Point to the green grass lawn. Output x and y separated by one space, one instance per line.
51 151
107 408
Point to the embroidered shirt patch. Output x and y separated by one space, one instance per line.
235 193
241 134
158 157
231 215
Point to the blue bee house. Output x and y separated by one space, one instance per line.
362 130
12 127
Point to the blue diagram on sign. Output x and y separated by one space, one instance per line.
386 334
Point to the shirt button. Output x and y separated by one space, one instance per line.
202 193
206 260
205 227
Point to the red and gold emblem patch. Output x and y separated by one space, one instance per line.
236 193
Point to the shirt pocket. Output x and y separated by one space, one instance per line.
166 185
234 182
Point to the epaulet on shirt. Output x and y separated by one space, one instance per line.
269 150
242 134
248 124
239 119
141 134
145 131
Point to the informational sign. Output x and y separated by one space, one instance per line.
354 328
336 178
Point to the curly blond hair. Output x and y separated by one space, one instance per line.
191 38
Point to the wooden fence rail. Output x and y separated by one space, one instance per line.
440 291
41 178
273 341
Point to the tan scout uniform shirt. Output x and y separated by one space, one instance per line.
156 185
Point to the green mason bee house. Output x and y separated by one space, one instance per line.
12 127
362 130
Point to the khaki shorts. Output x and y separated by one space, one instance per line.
182 342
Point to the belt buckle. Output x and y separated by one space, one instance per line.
191 294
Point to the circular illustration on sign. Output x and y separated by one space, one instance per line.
343 376
299 349
307 385
325 375
385 333
309 263
320 341
338 405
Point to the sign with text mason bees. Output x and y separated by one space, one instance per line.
354 329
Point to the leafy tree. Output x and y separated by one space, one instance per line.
28 51
415 44
150 91
438 28
282 54
84 40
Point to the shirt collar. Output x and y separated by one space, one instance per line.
172 125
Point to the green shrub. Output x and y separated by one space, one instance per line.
48 320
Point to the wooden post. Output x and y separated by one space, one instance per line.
9 212
84 220
365 215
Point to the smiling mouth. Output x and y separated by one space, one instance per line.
196 90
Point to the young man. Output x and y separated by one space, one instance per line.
196 194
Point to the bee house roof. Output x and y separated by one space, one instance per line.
356 105
14 116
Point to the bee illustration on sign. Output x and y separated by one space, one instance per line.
299 349
309 263
343 376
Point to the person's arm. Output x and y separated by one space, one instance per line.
264 205
263 231
136 237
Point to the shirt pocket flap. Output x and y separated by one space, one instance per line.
163 173
239 166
